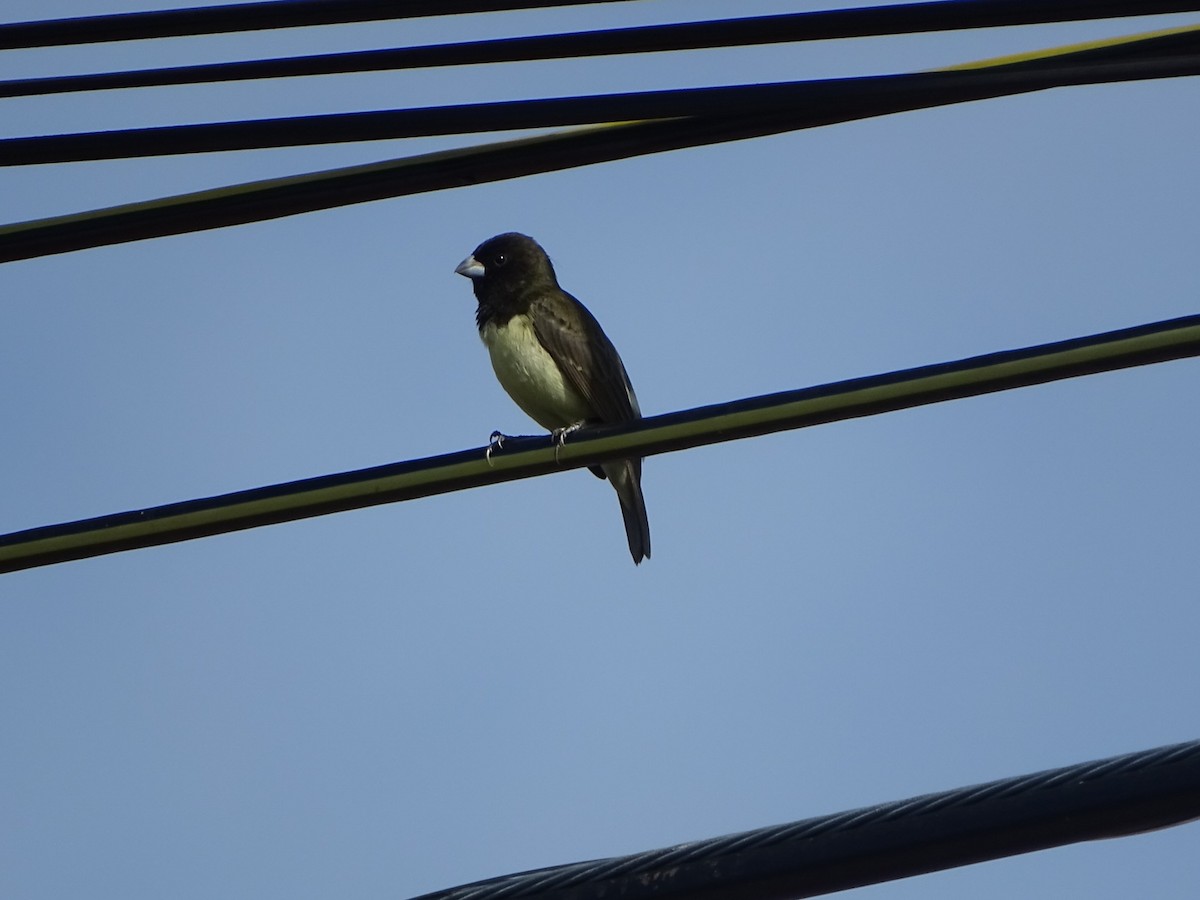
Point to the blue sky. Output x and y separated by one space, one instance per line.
386 702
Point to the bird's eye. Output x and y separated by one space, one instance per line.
499 260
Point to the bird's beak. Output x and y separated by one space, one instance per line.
470 268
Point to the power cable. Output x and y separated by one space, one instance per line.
837 99
260 201
528 457
234 17
1108 798
741 32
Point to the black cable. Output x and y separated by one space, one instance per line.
810 26
1107 798
246 17
527 457
1168 56
261 201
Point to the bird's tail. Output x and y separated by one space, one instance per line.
626 478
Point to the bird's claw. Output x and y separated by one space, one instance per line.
495 442
560 437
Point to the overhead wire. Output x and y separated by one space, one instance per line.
527 457
1162 55
738 32
1105 798
235 17
1140 56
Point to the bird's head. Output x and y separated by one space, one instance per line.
505 266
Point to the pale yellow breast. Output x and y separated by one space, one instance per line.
530 376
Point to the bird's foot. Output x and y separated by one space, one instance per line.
495 442
560 436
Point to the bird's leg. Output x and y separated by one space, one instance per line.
495 442
560 436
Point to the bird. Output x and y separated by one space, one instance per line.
554 360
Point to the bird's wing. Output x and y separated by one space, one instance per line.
586 356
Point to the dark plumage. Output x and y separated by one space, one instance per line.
552 357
